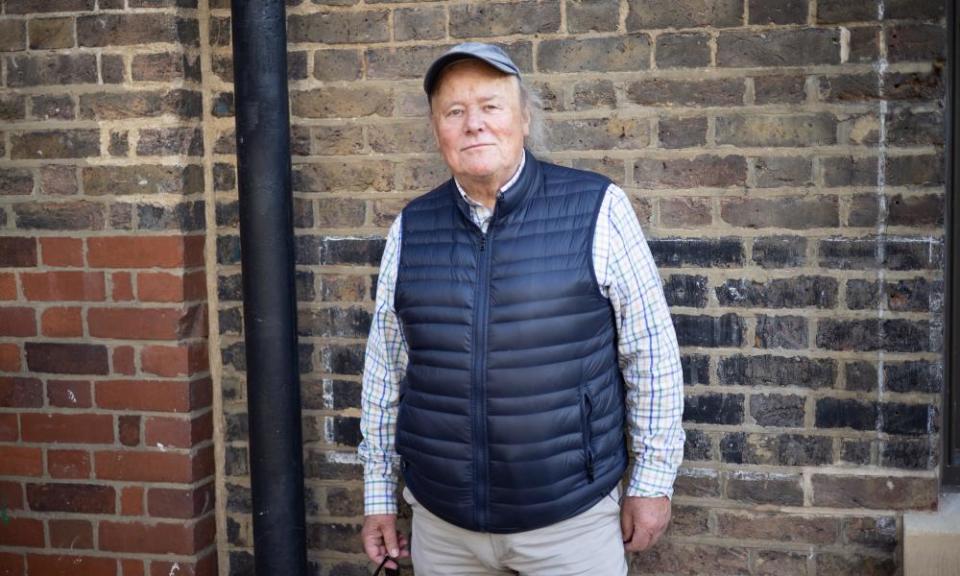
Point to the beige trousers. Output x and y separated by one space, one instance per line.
589 544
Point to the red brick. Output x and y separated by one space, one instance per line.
206 566
144 466
134 568
167 433
20 461
164 287
131 501
123 360
9 358
67 358
147 395
68 463
61 322
9 428
79 498
17 322
187 503
201 393
25 532
72 534
171 361
21 393
146 323
145 251
64 286
11 564
161 538
66 252
203 463
122 287
68 428
17 252
63 565
8 287
11 493
69 393
128 430
178 432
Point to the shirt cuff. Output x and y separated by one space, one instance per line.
648 480
379 493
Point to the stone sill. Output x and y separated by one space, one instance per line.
931 540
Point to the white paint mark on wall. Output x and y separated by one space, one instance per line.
881 68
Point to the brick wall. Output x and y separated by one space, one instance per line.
106 452
785 157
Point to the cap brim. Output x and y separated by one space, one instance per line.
436 69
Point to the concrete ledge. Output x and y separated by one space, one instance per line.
931 540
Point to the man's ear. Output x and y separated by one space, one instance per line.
433 129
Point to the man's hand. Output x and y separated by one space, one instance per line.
643 521
380 538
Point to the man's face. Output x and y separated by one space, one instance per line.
479 122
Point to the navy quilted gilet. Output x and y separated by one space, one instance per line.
511 413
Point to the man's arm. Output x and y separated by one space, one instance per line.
384 365
650 363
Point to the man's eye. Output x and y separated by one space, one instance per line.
454 112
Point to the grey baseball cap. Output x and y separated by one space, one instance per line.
488 53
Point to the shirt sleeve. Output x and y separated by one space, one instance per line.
649 356
385 363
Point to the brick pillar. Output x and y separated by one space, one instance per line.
106 453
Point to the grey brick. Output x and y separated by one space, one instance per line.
420 23
665 92
686 290
798 292
778 171
777 371
709 331
778 47
614 54
779 251
781 332
683 50
778 11
592 15
339 27
679 252
779 89
782 212
698 172
487 19
779 410
777 130
682 132
652 14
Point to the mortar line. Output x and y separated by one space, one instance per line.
213 301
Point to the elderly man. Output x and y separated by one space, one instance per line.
519 324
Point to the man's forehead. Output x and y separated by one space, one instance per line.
473 68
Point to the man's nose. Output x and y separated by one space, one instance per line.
474 121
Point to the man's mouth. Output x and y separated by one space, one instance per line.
473 146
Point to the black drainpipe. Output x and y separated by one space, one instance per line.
269 295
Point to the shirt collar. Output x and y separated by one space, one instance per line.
510 182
